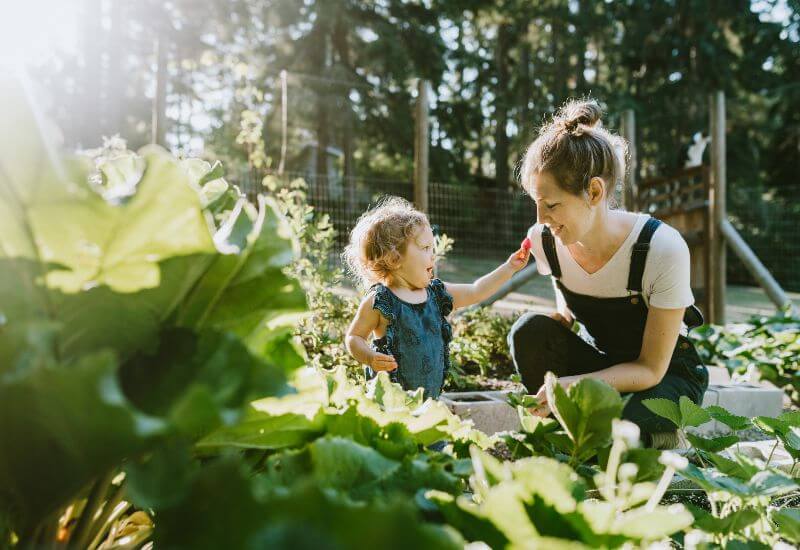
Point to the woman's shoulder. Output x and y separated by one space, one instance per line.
668 240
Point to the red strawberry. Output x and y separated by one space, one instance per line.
526 244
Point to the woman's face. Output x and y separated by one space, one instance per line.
568 216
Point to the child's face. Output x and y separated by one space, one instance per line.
416 265
568 216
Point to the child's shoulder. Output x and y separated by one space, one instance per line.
380 298
442 296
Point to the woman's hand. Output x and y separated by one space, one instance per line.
381 361
564 321
543 407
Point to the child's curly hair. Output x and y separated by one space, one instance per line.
379 240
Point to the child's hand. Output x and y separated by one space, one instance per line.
381 361
518 259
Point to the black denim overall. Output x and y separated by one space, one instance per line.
540 344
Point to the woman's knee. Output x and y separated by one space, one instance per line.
530 341
531 330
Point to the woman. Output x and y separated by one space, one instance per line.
624 276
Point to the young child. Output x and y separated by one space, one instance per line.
406 308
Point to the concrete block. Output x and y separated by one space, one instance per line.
488 410
718 375
741 399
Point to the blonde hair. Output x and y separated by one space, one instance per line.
574 148
379 240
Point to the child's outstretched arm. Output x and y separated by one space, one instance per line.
365 322
467 294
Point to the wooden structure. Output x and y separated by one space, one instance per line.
693 202
681 200
421 147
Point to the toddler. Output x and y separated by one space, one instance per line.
406 308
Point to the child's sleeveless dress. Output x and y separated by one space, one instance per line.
418 337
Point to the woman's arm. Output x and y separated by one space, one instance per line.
467 294
367 319
660 335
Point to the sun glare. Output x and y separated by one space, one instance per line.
32 31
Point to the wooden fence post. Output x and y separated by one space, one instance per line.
421 146
628 130
717 209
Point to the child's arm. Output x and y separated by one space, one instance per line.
367 320
468 294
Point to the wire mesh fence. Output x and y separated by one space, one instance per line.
489 223
484 222
769 222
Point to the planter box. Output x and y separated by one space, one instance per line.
488 410
742 399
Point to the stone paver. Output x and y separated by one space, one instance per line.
488 410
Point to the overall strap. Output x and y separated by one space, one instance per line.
549 245
639 255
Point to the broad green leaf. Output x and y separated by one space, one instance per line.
641 524
341 463
307 517
585 411
734 422
185 361
763 484
691 414
733 523
263 431
713 445
245 286
557 484
664 408
788 522
467 518
60 427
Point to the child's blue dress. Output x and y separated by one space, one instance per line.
418 337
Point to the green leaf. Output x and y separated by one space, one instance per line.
762 484
664 408
585 411
557 484
60 427
734 422
641 524
341 463
733 523
215 368
264 431
713 445
788 522
691 414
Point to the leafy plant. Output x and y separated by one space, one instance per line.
143 302
767 345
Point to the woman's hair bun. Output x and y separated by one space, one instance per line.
577 113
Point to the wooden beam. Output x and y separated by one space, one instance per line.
628 130
421 148
760 273
717 207
517 280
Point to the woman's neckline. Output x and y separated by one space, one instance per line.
632 234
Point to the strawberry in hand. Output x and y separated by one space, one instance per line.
524 249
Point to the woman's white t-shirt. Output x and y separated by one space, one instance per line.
666 282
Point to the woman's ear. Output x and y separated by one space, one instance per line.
596 191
